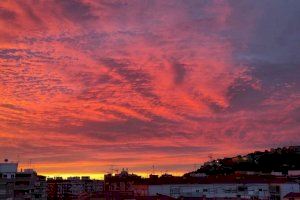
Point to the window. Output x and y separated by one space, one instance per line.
228 190
22 175
242 188
274 189
175 191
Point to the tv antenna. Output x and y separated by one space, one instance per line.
153 170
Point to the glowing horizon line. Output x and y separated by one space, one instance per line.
101 175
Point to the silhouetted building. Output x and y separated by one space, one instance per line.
120 186
24 185
220 187
74 188
29 185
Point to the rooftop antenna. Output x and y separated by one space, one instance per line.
112 169
153 170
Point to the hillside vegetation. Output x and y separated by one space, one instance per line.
274 160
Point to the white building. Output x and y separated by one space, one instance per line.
294 172
8 170
226 190
286 188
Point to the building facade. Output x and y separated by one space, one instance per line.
21 185
74 188
273 191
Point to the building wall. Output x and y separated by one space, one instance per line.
160 189
21 185
294 172
6 189
72 188
8 167
287 188
245 191
140 190
30 186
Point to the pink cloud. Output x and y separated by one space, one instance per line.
96 82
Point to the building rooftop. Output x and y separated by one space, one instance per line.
215 179
8 167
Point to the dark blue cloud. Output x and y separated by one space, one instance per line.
77 11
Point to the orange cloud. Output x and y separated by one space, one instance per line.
87 84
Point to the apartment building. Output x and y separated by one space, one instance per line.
21 185
224 187
73 188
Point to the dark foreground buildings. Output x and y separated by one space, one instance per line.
21 185
74 188
27 185
238 186
276 183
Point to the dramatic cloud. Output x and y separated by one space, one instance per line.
89 84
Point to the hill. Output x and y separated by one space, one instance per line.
273 160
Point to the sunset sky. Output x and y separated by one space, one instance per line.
88 84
